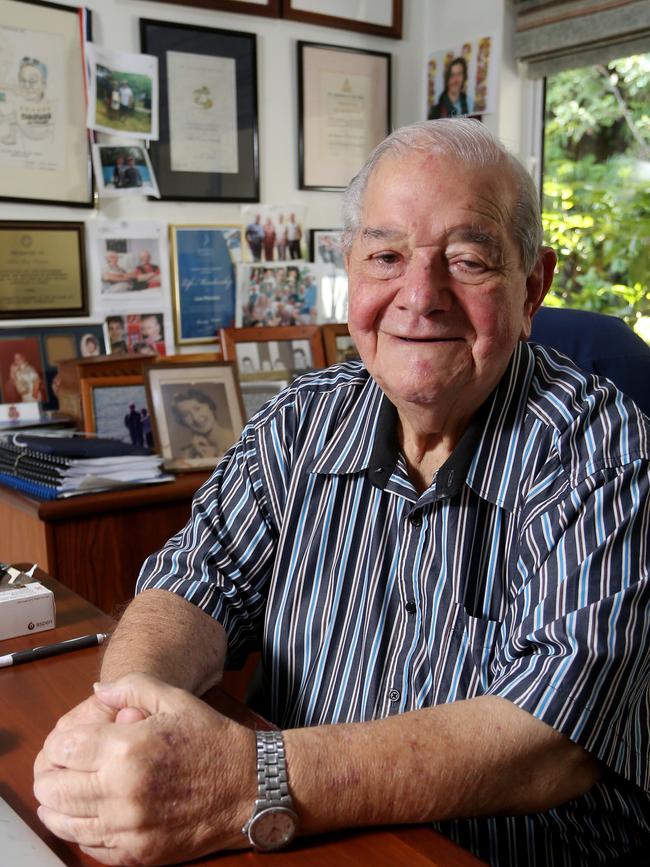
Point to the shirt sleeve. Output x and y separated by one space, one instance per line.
222 559
576 640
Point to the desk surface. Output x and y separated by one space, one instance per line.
35 695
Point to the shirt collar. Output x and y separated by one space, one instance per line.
366 439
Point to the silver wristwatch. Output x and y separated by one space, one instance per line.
274 821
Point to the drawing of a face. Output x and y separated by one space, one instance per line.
31 82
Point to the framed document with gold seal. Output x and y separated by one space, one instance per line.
42 270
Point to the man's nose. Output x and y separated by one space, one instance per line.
426 287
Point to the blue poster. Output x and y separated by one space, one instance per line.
205 280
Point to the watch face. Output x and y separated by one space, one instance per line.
273 828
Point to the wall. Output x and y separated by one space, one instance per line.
428 25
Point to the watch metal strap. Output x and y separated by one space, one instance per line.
272 785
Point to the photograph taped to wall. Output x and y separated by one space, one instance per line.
123 93
129 265
139 333
463 80
325 248
274 233
44 150
197 412
123 170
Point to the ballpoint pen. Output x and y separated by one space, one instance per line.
46 650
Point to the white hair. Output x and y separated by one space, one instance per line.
469 142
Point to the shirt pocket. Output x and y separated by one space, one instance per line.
478 638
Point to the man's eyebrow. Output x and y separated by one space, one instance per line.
381 233
475 236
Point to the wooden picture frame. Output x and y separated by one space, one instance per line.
197 412
338 344
266 8
105 405
319 12
207 83
340 89
46 148
204 255
262 353
42 269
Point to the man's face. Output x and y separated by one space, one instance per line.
438 297
115 330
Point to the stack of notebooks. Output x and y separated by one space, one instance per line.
50 467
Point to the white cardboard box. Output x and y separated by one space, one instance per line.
26 609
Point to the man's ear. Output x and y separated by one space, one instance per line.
538 283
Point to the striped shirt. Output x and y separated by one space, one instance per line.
521 572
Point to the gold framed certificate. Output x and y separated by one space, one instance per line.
344 111
42 270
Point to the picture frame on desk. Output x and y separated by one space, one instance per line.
44 347
379 18
339 88
273 352
338 344
44 146
204 259
197 412
116 407
42 269
208 137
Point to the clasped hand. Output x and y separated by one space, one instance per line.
145 773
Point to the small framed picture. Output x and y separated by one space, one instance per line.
197 412
29 358
325 248
338 344
116 407
381 17
273 353
123 170
343 111
255 393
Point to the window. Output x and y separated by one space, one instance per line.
596 187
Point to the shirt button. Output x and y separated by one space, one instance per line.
394 695
411 607
415 520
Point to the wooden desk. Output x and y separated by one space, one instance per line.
36 694
96 543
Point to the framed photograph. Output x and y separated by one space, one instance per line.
290 293
123 93
44 143
463 80
29 358
42 270
197 412
267 8
256 393
273 353
343 111
325 248
204 259
381 17
208 146
116 407
338 344
123 170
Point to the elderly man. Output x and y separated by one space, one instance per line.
443 554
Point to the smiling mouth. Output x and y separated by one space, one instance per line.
428 339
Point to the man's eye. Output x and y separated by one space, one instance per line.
386 259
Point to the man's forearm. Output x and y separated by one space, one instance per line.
163 635
471 758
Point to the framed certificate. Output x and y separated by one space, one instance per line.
207 148
381 17
204 279
343 111
267 8
44 144
42 270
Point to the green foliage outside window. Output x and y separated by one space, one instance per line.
596 207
